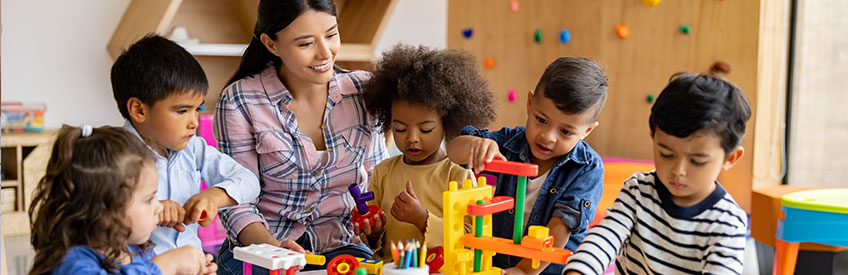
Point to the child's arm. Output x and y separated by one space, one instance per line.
229 183
185 260
604 240
561 234
726 254
473 151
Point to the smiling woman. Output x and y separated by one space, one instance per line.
299 123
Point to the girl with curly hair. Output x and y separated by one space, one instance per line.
424 96
95 208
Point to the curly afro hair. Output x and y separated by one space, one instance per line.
446 81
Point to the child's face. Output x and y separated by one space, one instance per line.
142 214
550 132
418 132
171 122
307 47
689 166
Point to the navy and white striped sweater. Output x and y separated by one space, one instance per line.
649 234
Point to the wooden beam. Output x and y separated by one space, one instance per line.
142 17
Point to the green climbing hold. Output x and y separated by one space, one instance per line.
537 36
685 29
650 98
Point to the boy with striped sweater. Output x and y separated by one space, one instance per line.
678 218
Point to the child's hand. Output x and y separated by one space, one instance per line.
185 260
408 209
372 231
172 215
482 151
291 245
201 205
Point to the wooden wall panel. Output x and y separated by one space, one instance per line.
638 66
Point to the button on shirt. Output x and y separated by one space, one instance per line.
179 179
300 193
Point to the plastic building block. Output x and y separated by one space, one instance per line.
315 259
361 199
359 219
342 265
371 265
435 259
512 168
505 246
269 256
495 205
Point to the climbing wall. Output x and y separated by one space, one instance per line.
520 38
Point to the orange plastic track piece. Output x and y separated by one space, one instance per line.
512 168
506 246
495 205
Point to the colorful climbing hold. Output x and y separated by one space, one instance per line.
720 68
622 31
650 98
684 29
651 3
513 5
489 63
537 36
564 36
511 96
467 33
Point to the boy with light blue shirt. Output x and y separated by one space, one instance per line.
159 88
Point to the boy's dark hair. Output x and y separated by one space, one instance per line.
152 69
446 81
694 102
81 200
575 85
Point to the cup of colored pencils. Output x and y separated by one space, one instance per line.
408 257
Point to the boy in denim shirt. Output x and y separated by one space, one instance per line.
560 114
159 88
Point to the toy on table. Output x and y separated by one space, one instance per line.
272 258
479 202
348 265
435 259
363 211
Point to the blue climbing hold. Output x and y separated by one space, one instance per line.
467 33
564 36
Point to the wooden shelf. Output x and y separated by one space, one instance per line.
224 27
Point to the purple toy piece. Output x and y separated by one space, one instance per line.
360 198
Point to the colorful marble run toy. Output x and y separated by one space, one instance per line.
472 253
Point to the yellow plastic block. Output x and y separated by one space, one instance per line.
458 259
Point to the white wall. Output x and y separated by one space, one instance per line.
54 51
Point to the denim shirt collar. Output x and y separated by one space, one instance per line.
517 144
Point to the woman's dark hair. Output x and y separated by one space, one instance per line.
694 102
273 16
81 200
446 81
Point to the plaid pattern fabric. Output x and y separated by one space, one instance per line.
300 194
